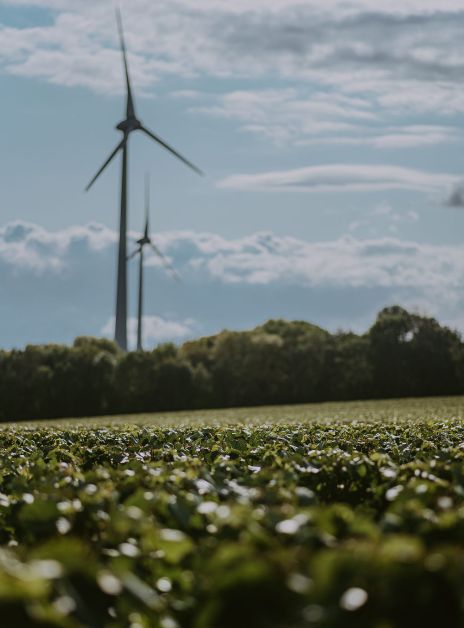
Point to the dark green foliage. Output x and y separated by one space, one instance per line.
351 369
413 355
326 524
279 362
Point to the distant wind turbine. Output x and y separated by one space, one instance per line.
144 241
127 126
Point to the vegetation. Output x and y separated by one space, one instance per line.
268 519
280 362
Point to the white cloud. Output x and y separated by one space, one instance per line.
398 52
155 329
359 71
343 177
26 245
265 259
417 135
319 117
57 285
381 219
291 114
262 258
392 137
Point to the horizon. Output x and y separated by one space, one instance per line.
172 328
334 172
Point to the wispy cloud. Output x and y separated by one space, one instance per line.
289 114
397 52
360 72
382 217
413 136
343 177
303 117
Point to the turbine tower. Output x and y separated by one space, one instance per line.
144 241
127 126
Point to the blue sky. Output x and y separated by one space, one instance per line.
331 138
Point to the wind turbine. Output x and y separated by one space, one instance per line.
145 240
127 126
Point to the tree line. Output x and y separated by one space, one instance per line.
402 354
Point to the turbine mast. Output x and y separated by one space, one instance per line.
140 308
127 126
121 291
145 240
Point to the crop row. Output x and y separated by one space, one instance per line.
312 524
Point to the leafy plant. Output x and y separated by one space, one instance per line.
275 520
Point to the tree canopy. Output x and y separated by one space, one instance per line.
402 354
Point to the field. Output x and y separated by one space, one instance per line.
330 515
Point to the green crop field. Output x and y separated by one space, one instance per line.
329 515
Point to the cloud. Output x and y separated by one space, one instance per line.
290 114
414 136
305 117
397 53
381 219
262 258
60 284
342 177
359 71
265 259
155 329
392 137
31 247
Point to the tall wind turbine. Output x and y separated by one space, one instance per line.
145 240
127 126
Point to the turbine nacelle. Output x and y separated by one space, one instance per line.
143 241
129 125
146 240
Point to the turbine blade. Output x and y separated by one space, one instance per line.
107 163
130 109
132 255
173 272
171 150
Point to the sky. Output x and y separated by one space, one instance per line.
331 135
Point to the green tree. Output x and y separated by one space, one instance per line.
412 355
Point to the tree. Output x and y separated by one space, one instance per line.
412 355
350 367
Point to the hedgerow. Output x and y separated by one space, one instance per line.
280 362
